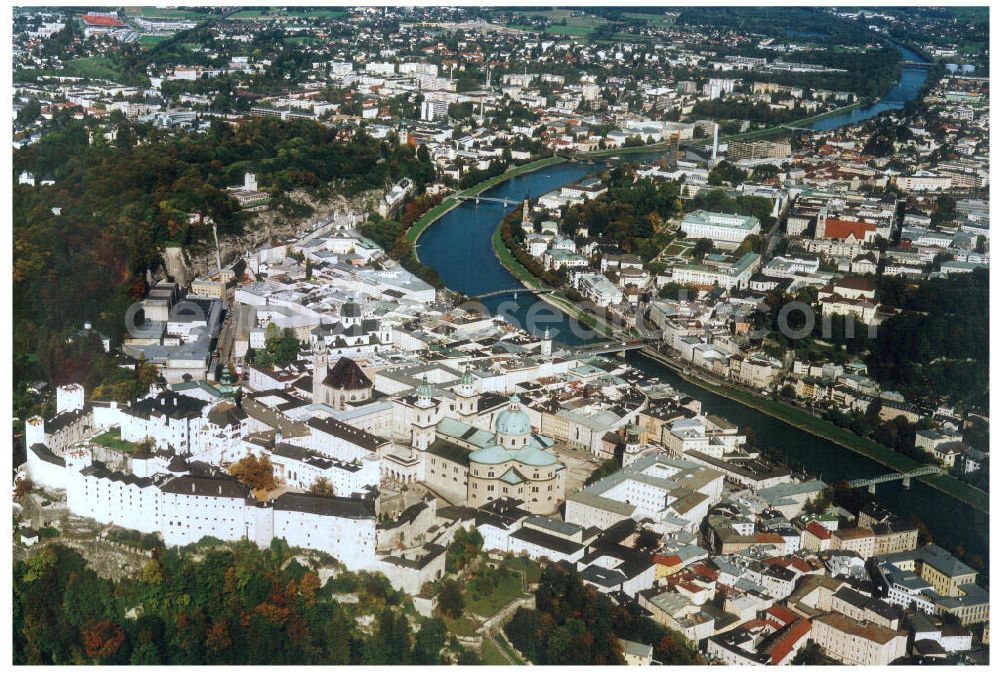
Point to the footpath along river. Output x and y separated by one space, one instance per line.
459 247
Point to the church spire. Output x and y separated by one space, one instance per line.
424 394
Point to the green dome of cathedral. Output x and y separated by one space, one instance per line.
514 421
467 378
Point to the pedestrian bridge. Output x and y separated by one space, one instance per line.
611 348
506 201
511 292
895 476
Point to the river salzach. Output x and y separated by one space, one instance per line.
459 247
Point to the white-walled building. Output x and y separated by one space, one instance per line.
725 230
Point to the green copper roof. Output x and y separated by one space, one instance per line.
513 421
512 477
467 378
532 455
491 455
424 390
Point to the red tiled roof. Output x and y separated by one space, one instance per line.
839 229
782 614
689 585
792 635
97 20
818 530
768 538
705 571
800 564
667 560
794 562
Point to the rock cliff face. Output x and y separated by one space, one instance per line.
184 265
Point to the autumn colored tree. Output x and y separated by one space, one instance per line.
102 639
234 604
575 624
321 486
256 472
22 486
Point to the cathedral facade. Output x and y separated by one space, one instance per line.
473 466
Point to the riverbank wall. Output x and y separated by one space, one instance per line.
818 427
449 203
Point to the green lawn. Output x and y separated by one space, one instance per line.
550 14
508 261
164 13
495 657
432 215
505 644
575 25
507 589
304 13
149 41
531 570
248 14
557 299
510 173
94 67
651 19
492 656
574 31
113 439
463 626
315 12
583 26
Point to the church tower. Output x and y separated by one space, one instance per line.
320 364
821 224
632 447
226 383
424 427
468 400
546 346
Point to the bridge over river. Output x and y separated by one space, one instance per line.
511 292
895 476
507 202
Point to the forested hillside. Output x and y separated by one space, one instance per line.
234 605
575 624
116 203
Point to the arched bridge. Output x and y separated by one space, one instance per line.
511 292
895 476
506 201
